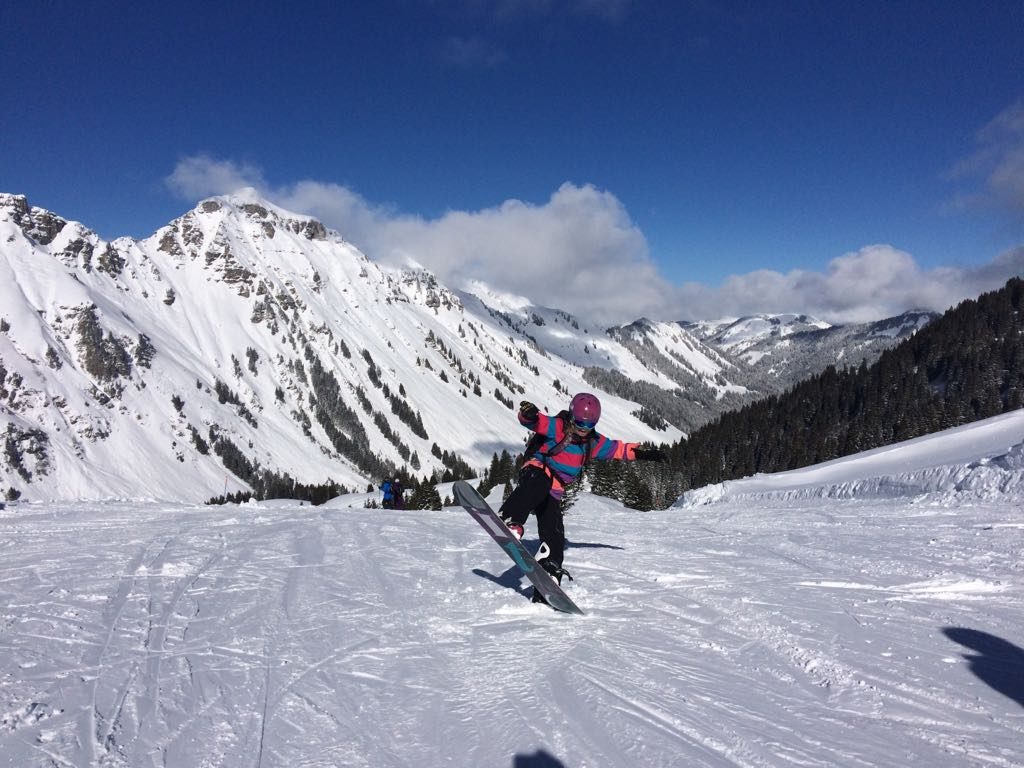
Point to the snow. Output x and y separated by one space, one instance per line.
324 294
784 624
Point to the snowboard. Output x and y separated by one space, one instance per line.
467 497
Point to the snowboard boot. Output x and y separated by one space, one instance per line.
514 528
556 572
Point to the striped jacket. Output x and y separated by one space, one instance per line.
566 465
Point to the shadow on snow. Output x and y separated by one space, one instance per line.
539 759
997 663
509 579
583 545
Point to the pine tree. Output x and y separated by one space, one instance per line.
571 494
636 494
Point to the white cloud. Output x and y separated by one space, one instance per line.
581 252
875 282
202 176
998 162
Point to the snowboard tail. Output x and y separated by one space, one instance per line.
468 498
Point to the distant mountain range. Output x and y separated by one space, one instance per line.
790 348
242 340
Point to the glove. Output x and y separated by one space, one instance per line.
649 454
528 410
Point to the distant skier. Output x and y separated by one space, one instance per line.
398 493
555 458
388 489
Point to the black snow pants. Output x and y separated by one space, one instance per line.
533 494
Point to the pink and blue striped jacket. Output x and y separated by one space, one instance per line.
566 465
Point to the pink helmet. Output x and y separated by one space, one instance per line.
585 410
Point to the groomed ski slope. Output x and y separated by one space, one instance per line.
813 627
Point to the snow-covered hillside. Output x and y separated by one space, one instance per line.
128 369
817 618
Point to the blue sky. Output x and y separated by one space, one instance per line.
661 158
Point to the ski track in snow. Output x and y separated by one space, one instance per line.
797 633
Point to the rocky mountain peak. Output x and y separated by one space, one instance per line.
246 205
36 223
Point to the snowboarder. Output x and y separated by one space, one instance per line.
555 457
388 502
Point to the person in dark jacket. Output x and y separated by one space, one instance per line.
568 444
388 502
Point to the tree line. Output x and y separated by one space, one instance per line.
965 366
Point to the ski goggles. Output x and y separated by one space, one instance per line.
583 425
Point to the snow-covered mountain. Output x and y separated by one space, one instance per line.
787 348
244 335
740 335
865 613
243 340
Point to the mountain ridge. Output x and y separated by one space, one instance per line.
242 335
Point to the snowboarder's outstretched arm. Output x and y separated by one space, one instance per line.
608 449
604 448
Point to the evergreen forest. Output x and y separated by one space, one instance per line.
964 366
